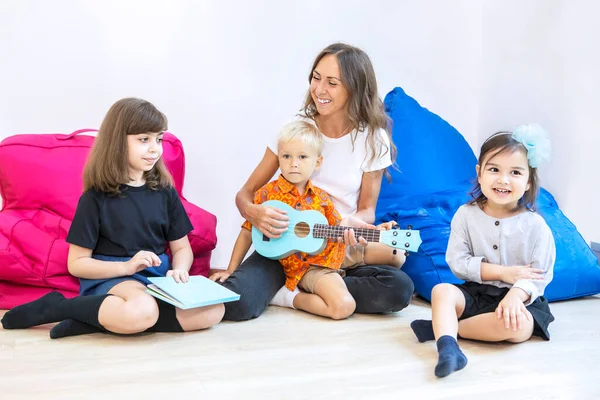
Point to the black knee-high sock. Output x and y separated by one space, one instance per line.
72 327
54 307
167 319
450 358
423 330
167 322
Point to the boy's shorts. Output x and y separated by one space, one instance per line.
355 257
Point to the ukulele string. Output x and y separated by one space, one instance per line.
299 231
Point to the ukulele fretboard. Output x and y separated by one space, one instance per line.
323 231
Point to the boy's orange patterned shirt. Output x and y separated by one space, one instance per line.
295 265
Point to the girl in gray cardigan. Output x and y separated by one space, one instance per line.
503 250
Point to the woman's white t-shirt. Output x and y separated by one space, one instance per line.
343 166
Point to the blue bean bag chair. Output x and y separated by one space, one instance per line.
436 173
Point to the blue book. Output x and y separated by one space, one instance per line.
197 292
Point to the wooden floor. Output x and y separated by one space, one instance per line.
288 354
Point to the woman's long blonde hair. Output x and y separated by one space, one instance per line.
107 167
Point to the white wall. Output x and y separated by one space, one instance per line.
226 73
229 73
541 64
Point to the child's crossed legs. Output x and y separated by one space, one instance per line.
132 310
326 294
447 306
125 309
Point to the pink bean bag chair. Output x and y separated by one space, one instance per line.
40 185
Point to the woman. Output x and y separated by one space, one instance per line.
343 103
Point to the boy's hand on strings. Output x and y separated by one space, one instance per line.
349 237
142 260
179 275
221 276
272 222
386 226
513 274
513 311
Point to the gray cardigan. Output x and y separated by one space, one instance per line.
519 240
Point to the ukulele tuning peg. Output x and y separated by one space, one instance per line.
395 252
406 254
409 227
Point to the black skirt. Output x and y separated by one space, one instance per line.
481 298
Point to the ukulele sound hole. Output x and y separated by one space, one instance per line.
302 229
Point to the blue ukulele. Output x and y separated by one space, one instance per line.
309 230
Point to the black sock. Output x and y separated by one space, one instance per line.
450 357
37 312
167 322
423 330
167 319
54 307
72 327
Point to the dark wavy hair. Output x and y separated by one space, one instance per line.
365 108
499 143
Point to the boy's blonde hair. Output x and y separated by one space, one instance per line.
304 131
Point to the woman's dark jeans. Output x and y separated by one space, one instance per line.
375 288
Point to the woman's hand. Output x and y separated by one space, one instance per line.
514 312
349 237
220 276
142 260
272 222
386 226
179 275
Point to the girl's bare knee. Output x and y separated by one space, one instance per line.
508 335
522 335
442 291
201 318
213 316
141 313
